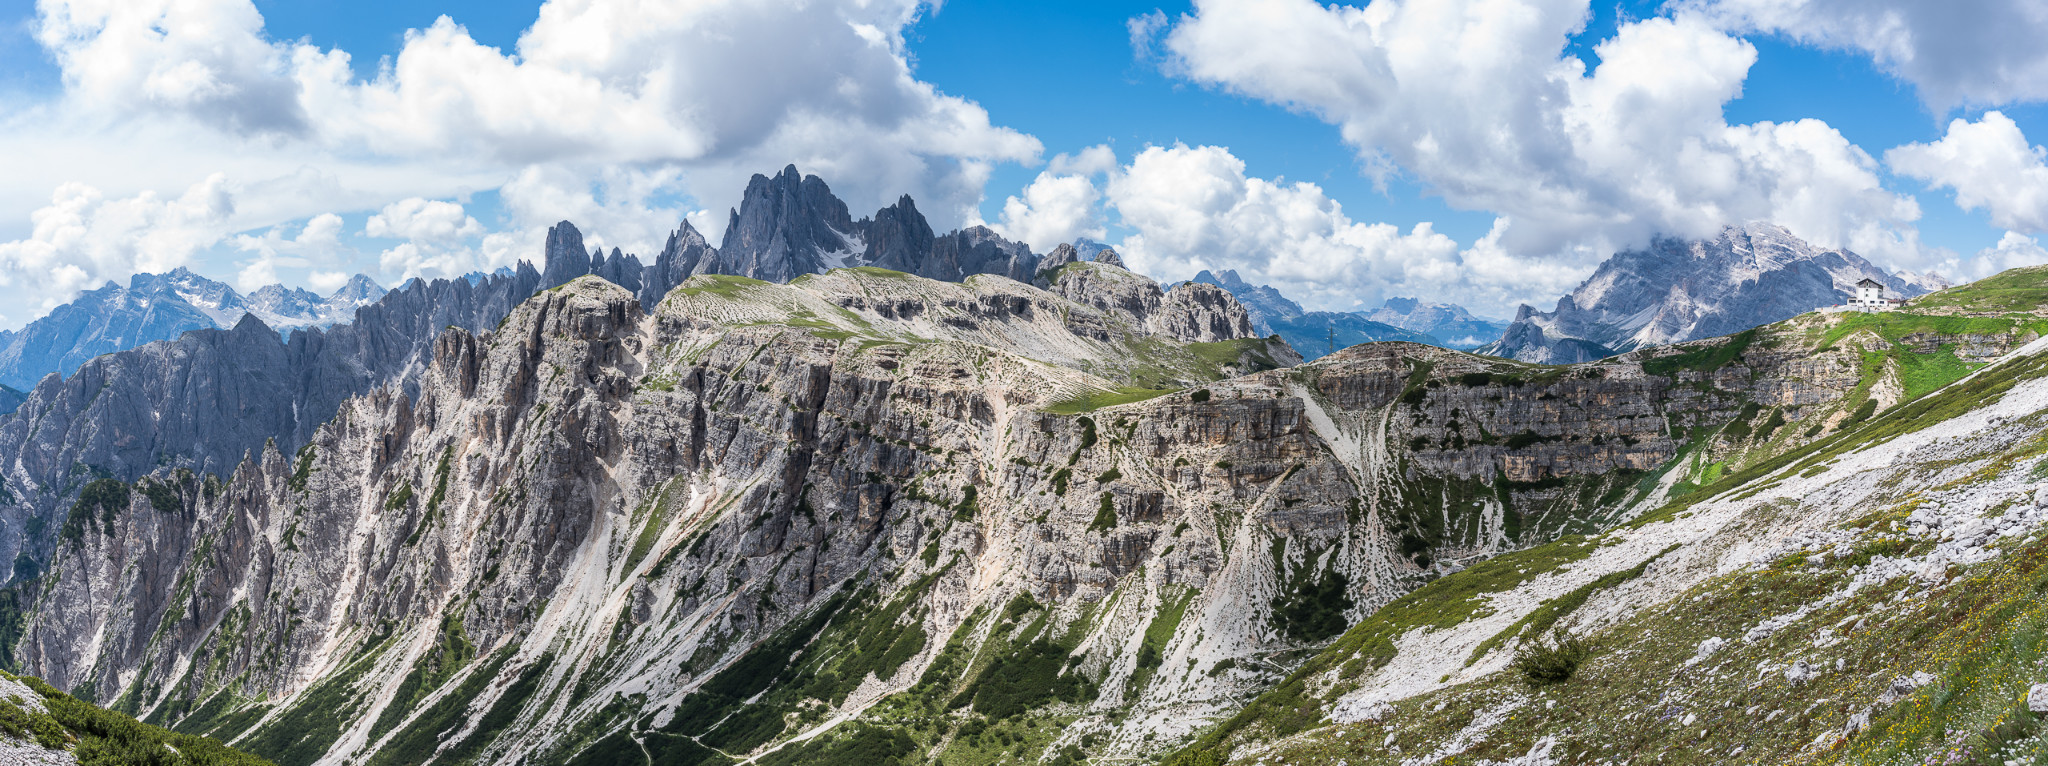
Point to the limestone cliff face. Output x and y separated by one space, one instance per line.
859 505
1191 312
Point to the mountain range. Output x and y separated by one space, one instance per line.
1677 290
602 512
157 307
1316 333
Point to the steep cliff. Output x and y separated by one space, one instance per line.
866 512
1822 579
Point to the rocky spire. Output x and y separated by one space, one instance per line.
565 258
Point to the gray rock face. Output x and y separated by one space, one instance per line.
206 399
1265 304
1191 312
565 257
786 226
686 252
1200 313
1108 257
1049 267
792 504
1676 291
978 250
898 238
791 225
157 307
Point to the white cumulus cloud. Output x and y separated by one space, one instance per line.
1061 204
1479 101
628 106
1194 208
1989 166
318 243
82 238
1956 52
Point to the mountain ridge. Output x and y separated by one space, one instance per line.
1678 290
796 515
161 307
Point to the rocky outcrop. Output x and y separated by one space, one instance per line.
1200 313
1049 267
791 224
1678 290
1190 312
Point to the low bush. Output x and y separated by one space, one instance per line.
1551 659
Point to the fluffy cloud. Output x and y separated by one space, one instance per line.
2012 251
440 239
1195 208
431 221
318 243
1061 204
82 239
1479 101
710 85
1989 166
1983 52
620 110
202 59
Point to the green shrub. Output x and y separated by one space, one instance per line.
1314 610
99 504
1105 516
1551 660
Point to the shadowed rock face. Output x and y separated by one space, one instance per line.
637 513
785 226
790 224
1676 291
208 398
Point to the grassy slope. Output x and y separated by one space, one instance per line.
100 737
1993 606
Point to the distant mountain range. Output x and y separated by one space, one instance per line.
157 307
1679 290
1316 333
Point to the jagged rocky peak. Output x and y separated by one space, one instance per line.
360 290
1108 257
621 269
786 225
899 238
1266 304
564 257
1677 290
980 250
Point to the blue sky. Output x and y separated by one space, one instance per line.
198 169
